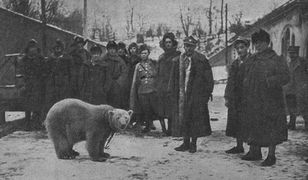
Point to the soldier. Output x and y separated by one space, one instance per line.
169 45
118 73
94 81
297 89
191 85
143 98
58 76
264 119
78 56
233 94
33 63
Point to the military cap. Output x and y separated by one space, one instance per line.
144 47
79 40
190 40
96 49
112 45
59 43
294 49
240 40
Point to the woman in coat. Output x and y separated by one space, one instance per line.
169 45
264 117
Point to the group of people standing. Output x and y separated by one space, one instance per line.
255 98
176 87
75 72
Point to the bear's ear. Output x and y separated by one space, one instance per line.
130 112
111 113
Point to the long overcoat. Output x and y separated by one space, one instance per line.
94 83
58 79
193 119
233 94
118 72
264 117
34 75
165 62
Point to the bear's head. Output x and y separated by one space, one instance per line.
120 118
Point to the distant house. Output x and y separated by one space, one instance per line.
16 30
287 25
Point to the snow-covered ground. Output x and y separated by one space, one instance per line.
30 156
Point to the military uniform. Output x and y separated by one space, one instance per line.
143 98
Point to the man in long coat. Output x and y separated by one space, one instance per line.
297 89
58 79
33 71
264 118
191 85
94 80
78 56
118 73
169 45
233 93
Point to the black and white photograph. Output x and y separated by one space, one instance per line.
153 90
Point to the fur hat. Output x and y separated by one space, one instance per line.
170 36
122 45
144 47
260 35
32 43
242 40
294 49
190 40
112 44
59 43
96 49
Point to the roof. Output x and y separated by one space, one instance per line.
271 17
49 25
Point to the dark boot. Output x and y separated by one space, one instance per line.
193 145
184 146
292 122
254 154
269 161
147 124
235 150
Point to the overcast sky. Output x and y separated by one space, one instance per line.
167 11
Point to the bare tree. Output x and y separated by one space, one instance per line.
222 17
210 16
186 20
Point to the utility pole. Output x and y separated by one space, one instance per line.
85 13
44 23
226 35
222 16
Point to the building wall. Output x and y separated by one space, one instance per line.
297 27
16 30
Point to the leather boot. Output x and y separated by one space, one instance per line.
184 146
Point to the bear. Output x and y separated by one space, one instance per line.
71 120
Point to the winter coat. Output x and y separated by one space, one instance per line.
78 57
190 108
144 82
233 94
165 62
118 72
264 117
58 79
298 84
94 83
34 76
